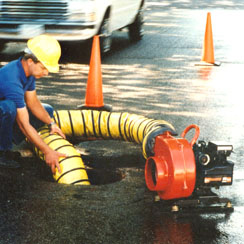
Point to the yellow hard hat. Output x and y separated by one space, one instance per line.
47 50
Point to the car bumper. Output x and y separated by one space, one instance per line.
62 32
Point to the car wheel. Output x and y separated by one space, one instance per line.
135 29
105 37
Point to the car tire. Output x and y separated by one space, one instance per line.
105 37
2 44
136 31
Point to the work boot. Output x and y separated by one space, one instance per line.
12 154
7 159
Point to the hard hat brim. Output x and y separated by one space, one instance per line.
51 69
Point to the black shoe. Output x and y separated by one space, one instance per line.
7 160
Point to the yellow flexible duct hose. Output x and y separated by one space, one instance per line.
86 124
72 167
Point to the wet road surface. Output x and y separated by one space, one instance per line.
156 78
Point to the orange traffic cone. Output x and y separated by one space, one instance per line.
208 47
94 93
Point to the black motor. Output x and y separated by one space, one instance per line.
213 168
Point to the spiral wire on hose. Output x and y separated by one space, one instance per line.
93 124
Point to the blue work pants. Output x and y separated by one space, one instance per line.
9 129
7 118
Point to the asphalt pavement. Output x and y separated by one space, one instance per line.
156 77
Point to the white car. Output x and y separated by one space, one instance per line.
70 20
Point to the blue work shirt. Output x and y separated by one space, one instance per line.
14 83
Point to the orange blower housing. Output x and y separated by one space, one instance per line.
172 170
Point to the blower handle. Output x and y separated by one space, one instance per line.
195 137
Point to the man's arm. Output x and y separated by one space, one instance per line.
34 104
51 156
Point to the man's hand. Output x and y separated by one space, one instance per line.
52 160
55 129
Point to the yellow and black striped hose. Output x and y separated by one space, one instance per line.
72 167
87 124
